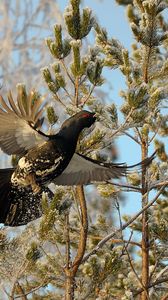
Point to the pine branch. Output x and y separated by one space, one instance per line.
124 226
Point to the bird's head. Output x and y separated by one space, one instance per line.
72 127
81 120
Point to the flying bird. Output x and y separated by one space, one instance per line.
43 158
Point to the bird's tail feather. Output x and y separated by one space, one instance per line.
18 206
5 187
144 163
122 169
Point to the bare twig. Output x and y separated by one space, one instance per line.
131 136
66 70
57 98
124 185
68 94
83 102
154 135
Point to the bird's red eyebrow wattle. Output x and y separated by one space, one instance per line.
85 115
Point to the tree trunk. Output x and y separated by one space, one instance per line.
145 232
69 285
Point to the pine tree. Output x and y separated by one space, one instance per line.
75 252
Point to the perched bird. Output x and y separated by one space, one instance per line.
43 159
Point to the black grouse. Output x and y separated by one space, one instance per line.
43 159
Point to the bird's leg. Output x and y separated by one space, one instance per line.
31 180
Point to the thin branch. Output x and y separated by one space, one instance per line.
124 185
165 297
68 94
118 241
135 273
119 129
152 284
32 291
66 70
59 252
152 138
88 96
20 271
21 290
124 226
11 297
57 98
77 207
130 136
125 249
159 275
137 130
159 184
76 91
70 271
83 230
68 258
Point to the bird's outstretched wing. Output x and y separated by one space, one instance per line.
83 170
19 124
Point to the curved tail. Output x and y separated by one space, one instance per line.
144 163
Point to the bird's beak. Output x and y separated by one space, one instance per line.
94 116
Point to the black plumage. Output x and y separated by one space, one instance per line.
43 159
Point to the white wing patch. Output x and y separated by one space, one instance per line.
51 169
23 164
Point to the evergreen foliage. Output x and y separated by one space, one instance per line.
61 255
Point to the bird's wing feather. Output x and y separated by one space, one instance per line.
18 131
84 170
